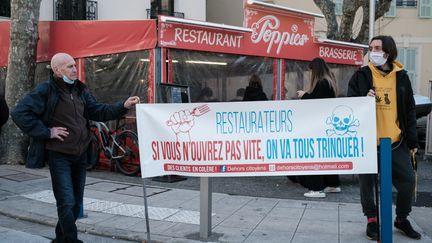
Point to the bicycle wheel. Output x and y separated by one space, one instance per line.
94 150
127 152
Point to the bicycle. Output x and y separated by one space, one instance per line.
120 146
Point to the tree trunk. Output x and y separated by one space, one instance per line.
349 9
72 9
328 9
20 73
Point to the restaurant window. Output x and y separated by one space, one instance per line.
115 77
297 76
221 75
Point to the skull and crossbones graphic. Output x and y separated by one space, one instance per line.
343 122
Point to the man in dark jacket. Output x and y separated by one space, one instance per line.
57 112
385 79
4 112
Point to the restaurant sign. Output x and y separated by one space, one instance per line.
278 34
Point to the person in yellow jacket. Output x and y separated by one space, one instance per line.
385 79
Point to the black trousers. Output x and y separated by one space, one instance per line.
403 179
319 182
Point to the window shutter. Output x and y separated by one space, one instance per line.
338 6
407 56
392 10
425 9
410 66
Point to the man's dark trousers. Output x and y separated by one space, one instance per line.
403 180
68 174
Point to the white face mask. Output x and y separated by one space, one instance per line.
377 58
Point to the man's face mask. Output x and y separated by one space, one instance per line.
67 80
377 58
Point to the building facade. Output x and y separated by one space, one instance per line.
130 9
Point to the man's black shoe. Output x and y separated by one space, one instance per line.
372 230
405 226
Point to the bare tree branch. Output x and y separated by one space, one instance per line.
328 9
349 9
381 8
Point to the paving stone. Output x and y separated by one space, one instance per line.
165 202
284 212
263 202
125 210
182 230
253 210
318 227
120 222
160 213
283 203
321 214
4 172
218 218
20 177
9 235
107 186
237 221
312 236
101 205
277 224
230 234
269 236
156 227
94 217
351 216
193 204
185 216
353 230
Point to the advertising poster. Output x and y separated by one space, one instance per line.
263 138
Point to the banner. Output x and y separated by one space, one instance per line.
292 137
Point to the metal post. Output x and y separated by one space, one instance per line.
205 207
428 146
146 211
371 19
386 190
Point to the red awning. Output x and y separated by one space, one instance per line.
86 38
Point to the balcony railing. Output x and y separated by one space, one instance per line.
91 10
406 3
153 14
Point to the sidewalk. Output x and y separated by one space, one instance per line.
115 209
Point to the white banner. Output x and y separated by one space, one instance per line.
293 137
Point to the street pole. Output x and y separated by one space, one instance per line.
205 207
386 190
371 19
